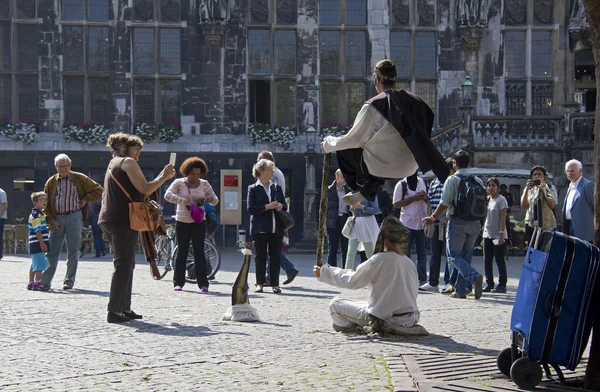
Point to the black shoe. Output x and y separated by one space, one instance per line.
132 315
97 256
116 318
103 254
499 289
291 277
488 288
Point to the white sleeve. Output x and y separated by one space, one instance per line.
347 278
357 136
397 192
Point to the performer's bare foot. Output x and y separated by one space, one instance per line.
352 198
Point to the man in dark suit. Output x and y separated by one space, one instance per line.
337 215
578 208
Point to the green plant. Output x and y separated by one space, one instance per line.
146 131
517 225
25 131
86 132
169 131
283 135
335 129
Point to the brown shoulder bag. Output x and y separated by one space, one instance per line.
143 215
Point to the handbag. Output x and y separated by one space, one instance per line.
143 215
285 219
348 226
196 212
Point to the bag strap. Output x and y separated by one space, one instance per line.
119 184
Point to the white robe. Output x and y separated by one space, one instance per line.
384 150
392 286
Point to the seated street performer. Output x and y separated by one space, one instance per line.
390 138
391 280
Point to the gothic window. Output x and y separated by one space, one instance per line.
514 53
143 51
170 52
73 102
170 102
272 61
528 71
19 60
91 10
344 77
167 11
415 57
143 100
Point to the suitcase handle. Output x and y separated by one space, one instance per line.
554 304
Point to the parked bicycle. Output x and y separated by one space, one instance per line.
167 249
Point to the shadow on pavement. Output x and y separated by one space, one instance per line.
78 291
288 288
175 329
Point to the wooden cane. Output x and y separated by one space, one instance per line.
323 210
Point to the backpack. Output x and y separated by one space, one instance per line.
471 200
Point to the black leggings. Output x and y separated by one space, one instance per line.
489 252
194 231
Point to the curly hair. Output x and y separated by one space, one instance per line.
193 163
260 167
120 142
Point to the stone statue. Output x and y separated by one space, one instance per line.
213 10
578 15
472 12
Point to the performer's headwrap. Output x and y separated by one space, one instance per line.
395 232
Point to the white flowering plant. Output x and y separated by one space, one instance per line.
282 135
86 132
335 129
146 131
25 131
169 131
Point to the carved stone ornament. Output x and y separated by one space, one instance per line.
472 12
144 9
542 11
426 13
26 8
577 16
213 41
259 9
515 12
401 12
471 37
213 10
170 10
286 11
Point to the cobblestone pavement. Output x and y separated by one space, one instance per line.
60 340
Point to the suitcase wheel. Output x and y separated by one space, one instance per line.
527 374
504 361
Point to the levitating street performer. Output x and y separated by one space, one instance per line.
240 309
392 285
390 138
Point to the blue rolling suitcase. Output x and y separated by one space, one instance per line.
554 308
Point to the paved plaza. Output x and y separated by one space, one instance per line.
60 340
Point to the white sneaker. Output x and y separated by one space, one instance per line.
428 287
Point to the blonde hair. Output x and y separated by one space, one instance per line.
36 195
120 142
261 166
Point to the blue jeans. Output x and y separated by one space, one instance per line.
462 235
98 241
285 263
335 238
69 230
418 238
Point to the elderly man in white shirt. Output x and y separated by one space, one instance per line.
578 208
392 286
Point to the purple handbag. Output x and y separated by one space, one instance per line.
196 212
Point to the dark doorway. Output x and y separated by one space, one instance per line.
260 102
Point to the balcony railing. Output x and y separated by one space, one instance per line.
522 132
582 127
449 139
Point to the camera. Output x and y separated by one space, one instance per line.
537 182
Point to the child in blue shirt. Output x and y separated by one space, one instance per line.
38 240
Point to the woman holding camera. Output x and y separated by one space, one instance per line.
191 189
538 195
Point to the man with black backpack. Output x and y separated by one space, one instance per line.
464 202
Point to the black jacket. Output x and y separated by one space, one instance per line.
413 119
333 204
261 220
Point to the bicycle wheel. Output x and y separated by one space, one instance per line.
213 258
190 268
163 256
